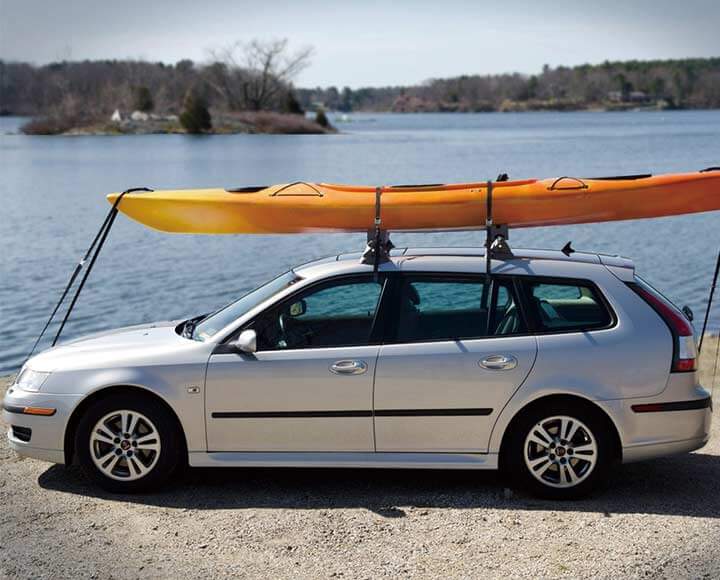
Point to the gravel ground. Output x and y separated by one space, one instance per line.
657 519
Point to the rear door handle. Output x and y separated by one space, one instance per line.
349 367
499 362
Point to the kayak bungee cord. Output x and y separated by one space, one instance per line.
705 323
94 250
78 267
710 301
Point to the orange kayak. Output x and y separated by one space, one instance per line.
323 207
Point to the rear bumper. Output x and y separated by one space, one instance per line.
670 423
653 450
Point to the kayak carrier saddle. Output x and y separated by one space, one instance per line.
378 248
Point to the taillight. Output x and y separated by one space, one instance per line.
684 350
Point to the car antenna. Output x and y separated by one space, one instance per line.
567 249
91 254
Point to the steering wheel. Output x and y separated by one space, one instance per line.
292 337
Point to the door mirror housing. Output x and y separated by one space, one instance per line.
246 342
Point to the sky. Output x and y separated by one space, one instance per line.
367 42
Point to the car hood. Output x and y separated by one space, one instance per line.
109 348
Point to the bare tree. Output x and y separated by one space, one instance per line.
255 75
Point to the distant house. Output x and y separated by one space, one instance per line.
139 116
116 116
637 96
630 97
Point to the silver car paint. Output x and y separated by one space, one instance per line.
612 368
446 374
290 380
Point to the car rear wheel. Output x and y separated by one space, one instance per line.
559 452
128 446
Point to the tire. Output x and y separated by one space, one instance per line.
138 463
539 460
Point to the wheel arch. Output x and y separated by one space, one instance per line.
103 393
561 398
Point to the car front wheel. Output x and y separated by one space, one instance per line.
559 452
128 445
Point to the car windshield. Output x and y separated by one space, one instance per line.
212 324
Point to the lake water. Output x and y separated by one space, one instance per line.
52 192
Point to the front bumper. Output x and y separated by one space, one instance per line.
47 433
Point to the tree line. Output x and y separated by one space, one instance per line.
686 83
253 76
258 76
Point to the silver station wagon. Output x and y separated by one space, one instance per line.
554 369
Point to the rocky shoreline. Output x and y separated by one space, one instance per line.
248 122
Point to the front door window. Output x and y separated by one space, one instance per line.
337 314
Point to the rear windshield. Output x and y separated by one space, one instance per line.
566 306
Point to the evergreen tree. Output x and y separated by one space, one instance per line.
321 118
195 117
142 100
292 105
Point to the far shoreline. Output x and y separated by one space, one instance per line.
140 123
275 123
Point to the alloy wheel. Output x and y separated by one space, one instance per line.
560 451
125 445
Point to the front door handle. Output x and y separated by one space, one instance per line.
499 362
349 367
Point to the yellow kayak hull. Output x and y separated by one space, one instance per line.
323 207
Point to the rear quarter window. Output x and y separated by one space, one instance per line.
557 306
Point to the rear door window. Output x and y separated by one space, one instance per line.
442 308
570 306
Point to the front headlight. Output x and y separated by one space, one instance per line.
30 380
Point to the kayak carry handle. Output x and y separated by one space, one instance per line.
577 183
280 193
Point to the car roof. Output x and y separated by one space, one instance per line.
472 259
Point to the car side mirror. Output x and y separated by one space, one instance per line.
246 342
297 308
687 311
